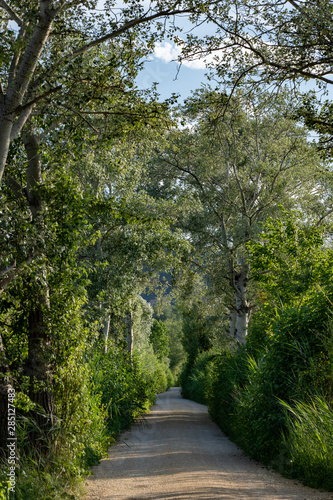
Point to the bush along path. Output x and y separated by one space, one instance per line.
176 452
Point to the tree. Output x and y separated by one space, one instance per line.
241 158
85 248
55 103
59 61
281 40
270 43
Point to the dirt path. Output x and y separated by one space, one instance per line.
177 453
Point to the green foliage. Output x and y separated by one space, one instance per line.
98 395
289 257
243 392
228 379
197 329
196 380
309 442
156 373
173 320
287 357
122 386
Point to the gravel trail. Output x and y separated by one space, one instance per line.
176 452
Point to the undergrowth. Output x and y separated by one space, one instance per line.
97 397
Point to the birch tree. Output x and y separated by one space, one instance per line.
241 158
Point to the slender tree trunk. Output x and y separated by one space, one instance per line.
105 331
242 307
232 323
38 371
130 334
6 124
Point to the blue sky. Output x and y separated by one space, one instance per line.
163 68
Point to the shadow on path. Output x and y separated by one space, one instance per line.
176 452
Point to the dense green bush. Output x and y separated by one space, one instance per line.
196 379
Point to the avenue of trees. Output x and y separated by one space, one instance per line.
219 208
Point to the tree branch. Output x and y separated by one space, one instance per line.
127 26
15 187
8 269
116 33
14 272
20 122
19 109
11 12
78 113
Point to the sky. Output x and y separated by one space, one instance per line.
164 69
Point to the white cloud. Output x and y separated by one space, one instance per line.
168 52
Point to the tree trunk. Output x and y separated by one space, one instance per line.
105 332
6 124
130 335
232 323
38 371
242 307
37 367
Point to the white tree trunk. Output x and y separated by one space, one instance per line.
6 124
232 323
106 329
16 92
242 321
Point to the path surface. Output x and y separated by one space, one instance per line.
177 453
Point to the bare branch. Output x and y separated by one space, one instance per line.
78 113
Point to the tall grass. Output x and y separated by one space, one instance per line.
309 442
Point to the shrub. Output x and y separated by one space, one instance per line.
197 378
